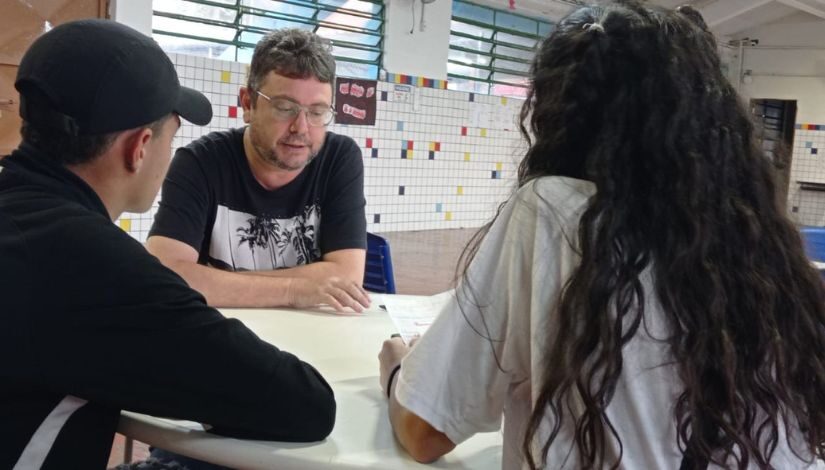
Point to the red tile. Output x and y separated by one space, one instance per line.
233 111
369 142
438 146
463 131
409 145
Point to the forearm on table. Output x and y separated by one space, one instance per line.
234 289
422 441
316 270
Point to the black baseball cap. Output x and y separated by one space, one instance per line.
98 76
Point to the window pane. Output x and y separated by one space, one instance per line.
195 47
517 40
471 29
511 66
467 71
344 22
470 58
473 12
514 53
508 90
467 43
192 28
518 23
472 86
514 79
545 29
354 69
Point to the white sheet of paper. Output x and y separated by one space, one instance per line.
413 314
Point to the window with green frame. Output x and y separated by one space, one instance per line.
491 50
229 29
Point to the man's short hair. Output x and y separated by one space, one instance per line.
70 149
293 53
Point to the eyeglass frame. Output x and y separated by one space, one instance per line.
299 108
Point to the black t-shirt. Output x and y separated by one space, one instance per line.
212 202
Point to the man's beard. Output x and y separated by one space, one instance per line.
270 155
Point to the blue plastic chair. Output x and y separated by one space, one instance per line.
378 275
814 238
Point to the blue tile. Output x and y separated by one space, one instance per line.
399 125
404 154
374 153
432 155
472 97
438 207
401 190
814 151
383 96
809 145
376 218
495 174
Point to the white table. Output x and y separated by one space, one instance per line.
345 350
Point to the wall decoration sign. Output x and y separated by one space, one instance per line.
355 101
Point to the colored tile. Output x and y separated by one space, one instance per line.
374 153
498 166
420 81
483 133
466 156
369 142
233 111
814 151
504 100
126 224
409 154
472 97
463 130
399 125
383 96
409 145
797 126
438 207
376 218
401 190
404 154
460 190
438 146
226 76
428 82
442 85
809 145
397 78
432 156
432 146
495 175
448 215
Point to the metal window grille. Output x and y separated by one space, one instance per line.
229 29
491 50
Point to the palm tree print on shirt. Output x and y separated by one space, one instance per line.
249 242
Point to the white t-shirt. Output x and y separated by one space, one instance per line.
452 377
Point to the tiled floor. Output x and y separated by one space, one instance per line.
424 263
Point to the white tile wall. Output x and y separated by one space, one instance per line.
475 148
807 207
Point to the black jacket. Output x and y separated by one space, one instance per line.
82 303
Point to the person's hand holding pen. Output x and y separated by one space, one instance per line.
392 352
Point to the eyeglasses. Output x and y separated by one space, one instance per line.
286 110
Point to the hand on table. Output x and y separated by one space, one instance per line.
338 293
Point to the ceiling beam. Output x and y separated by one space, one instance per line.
806 8
741 11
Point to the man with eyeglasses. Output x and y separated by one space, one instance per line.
271 214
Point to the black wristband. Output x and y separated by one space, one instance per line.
392 376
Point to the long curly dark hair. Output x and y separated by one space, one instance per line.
633 98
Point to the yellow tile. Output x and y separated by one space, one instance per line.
466 156
460 190
504 100
448 215
432 146
226 76
409 154
398 78
483 132
498 166
126 224
420 81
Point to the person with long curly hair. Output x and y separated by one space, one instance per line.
642 300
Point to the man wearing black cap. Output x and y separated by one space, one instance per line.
79 297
